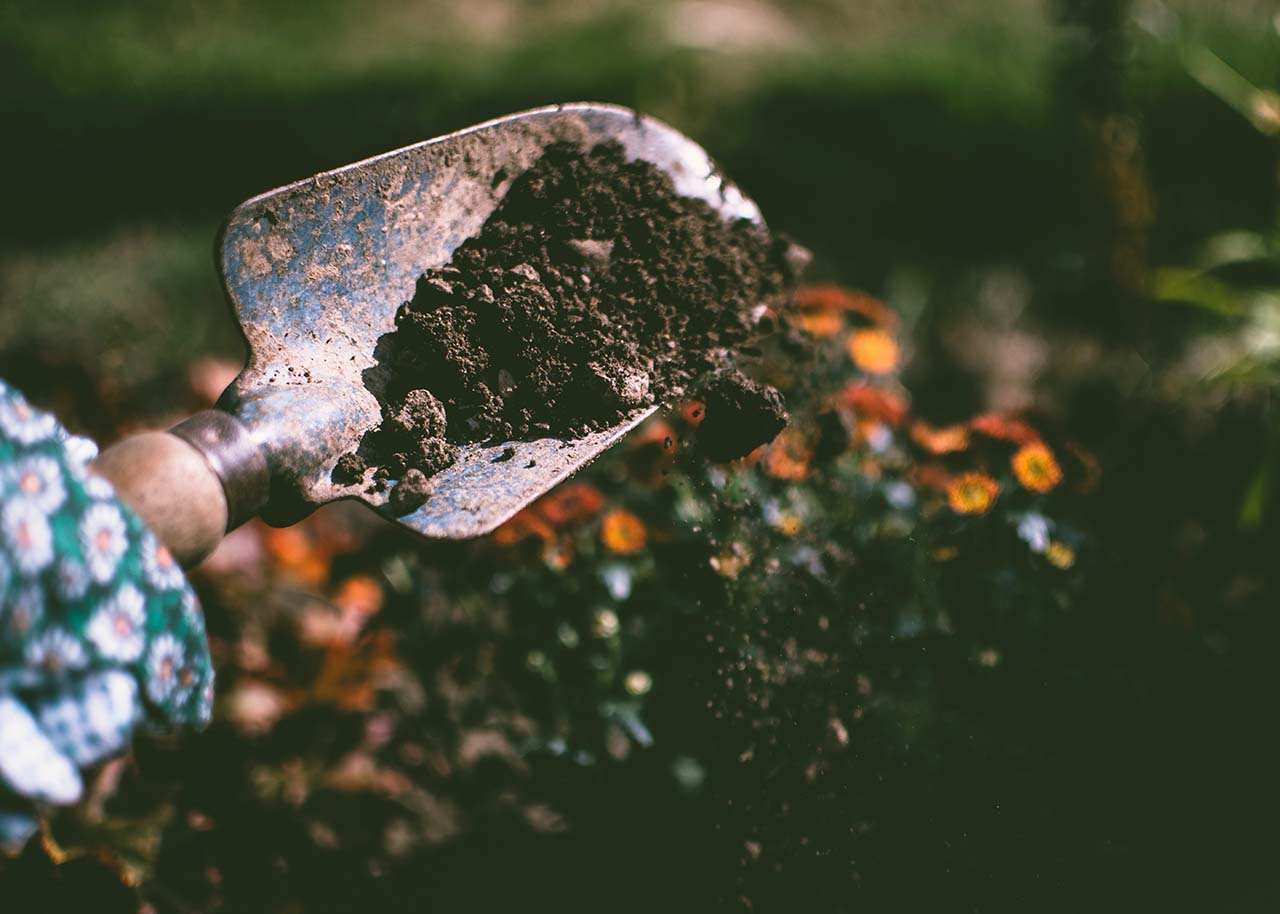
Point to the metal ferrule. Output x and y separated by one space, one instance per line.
235 458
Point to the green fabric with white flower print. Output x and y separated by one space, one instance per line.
86 589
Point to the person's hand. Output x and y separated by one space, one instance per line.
99 630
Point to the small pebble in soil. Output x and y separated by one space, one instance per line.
350 470
410 493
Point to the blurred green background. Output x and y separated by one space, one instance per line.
1072 204
894 138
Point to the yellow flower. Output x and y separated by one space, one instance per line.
972 493
1036 468
875 351
623 532
1060 555
731 560
789 525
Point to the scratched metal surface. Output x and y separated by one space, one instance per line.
315 271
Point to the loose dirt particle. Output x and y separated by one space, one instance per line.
741 415
410 493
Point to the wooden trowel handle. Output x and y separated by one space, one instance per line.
192 484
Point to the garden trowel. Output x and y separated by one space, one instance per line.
314 272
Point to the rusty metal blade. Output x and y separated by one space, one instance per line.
315 271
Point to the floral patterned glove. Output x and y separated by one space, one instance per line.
99 631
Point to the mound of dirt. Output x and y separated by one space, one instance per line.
592 291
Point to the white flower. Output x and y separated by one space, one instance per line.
191 612
80 451
39 480
98 487
72 581
205 712
168 678
900 495
56 651
26 532
159 565
617 580
95 718
879 438
29 763
1034 530
24 612
25 425
116 628
103 540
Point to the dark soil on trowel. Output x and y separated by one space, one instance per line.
592 291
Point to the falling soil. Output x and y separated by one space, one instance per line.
741 414
592 291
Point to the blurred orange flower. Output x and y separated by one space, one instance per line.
359 595
654 431
623 532
821 323
1035 467
874 351
574 501
298 554
972 493
872 403
832 298
946 440
523 525
350 674
1005 428
788 456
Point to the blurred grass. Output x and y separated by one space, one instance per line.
880 134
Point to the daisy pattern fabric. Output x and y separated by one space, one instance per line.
99 630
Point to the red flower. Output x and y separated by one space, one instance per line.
1004 428
788 456
871 403
946 440
832 298
574 501
525 524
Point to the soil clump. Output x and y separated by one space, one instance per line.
592 291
